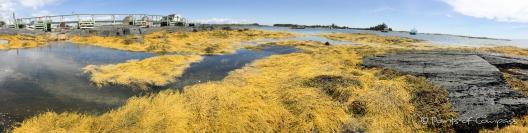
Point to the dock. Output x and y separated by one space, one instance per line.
87 21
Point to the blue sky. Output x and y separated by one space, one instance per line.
486 18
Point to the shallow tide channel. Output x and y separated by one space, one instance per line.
50 78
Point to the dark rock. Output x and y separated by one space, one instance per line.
139 40
83 33
9 31
227 28
477 88
505 61
133 30
327 43
126 31
122 31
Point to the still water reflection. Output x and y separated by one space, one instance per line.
50 78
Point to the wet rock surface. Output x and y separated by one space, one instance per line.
122 31
478 90
9 31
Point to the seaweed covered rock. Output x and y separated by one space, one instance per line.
478 90
333 86
163 70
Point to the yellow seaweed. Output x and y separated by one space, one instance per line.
155 71
21 41
323 89
204 42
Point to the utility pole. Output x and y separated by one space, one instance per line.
15 21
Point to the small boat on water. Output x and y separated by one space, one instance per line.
385 30
413 31
297 27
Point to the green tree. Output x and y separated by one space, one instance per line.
379 27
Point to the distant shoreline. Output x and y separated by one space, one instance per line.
344 27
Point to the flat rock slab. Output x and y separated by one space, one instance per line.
477 88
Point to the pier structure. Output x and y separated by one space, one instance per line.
87 21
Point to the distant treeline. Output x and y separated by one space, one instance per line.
377 27
312 26
253 24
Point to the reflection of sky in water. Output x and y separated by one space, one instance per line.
440 39
51 77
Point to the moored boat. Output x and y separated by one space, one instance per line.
413 31
385 30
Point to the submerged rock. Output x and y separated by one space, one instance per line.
4 42
478 90
53 37
327 43
62 37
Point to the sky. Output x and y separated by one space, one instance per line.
505 19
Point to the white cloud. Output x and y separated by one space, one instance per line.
382 9
223 21
43 13
89 18
449 15
6 9
378 9
511 27
39 3
500 10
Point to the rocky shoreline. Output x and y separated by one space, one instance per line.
479 93
123 31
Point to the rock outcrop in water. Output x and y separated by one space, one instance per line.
478 90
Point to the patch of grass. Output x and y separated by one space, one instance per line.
358 108
510 50
386 74
21 41
183 42
371 38
254 48
155 71
333 86
128 41
431 102
517 84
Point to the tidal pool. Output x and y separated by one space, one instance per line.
50 78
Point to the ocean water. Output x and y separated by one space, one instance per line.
50 78
436 39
